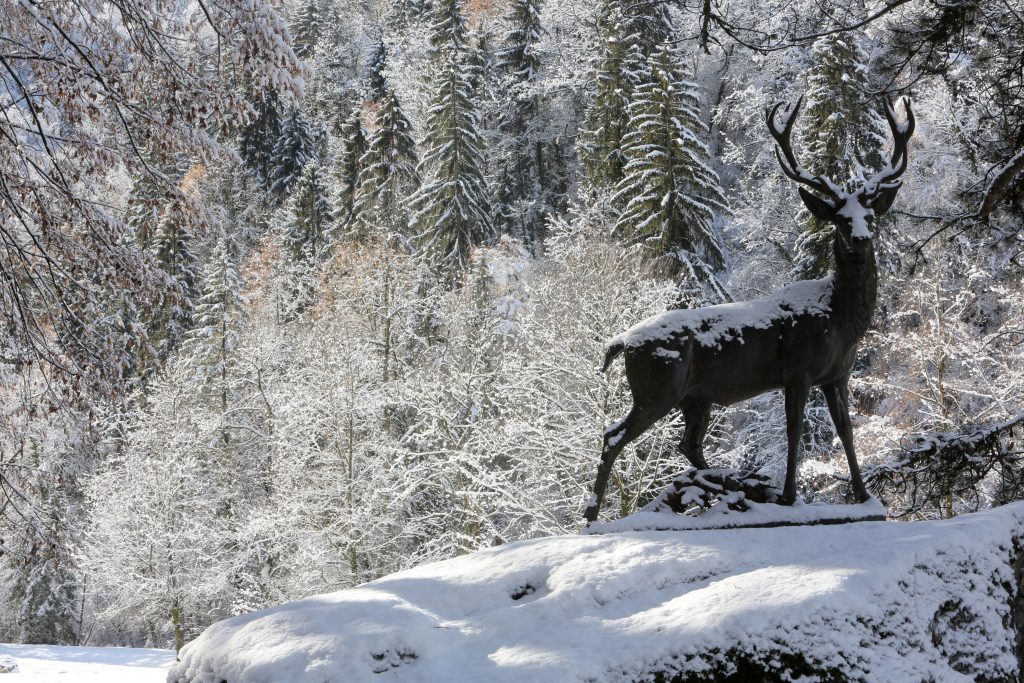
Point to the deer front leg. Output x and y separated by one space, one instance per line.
796 400
838 399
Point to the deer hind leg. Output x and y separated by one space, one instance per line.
698 418
837 397
796 400
616 437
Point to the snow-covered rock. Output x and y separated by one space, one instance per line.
872 601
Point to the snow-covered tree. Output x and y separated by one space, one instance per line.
295 147
306 27
843 130
670 195
452 207
348 166
619 68
387 171
259 136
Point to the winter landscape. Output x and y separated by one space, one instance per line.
305 305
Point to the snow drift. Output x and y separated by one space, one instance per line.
872 601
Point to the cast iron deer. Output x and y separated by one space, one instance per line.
802 336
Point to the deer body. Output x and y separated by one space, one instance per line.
803 336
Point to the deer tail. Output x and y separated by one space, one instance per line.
614 349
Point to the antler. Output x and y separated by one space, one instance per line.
901 133
784 147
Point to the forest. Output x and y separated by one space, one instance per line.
298 293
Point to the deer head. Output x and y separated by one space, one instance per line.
852 213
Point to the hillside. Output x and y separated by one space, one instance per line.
873 601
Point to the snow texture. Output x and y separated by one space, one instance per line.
59 664
712 325
874 601
720 516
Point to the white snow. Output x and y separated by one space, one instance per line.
59 664
871 598
712 325
720 516
858 215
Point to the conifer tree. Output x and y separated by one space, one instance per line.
347 171
619 69
669 193
448 31
310 210
258 138
388 174
452 207
376 81
306 28
145 201
293 149
522 159
841 127
173 253
209 349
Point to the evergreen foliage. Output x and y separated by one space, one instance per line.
452 207
208 350
843 129
306 29
619 69
172 248
669 193
376 80
348 168
310 221
448 31
387 171
257 139
294 148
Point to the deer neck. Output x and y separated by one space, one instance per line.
855 291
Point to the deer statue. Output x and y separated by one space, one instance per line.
804 335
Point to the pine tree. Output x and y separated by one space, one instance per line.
376 81
388 174
841 126
310 220
172 250
452 208
306 29
293 149
145 201
522 158
669 193
347 171
258 137
448 31
620 68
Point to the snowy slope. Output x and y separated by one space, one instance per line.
875 601
56 664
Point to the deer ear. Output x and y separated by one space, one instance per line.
821 209
884 198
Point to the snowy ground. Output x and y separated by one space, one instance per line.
872 601
53 664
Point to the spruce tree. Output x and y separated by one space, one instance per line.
669 193
294 148
347 173
310 220
258 137
841 127
522 158
452 207
145 202
306 28
619 69
448 31
210 347
388 174
172 249
376 81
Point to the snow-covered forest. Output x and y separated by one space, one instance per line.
300 293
